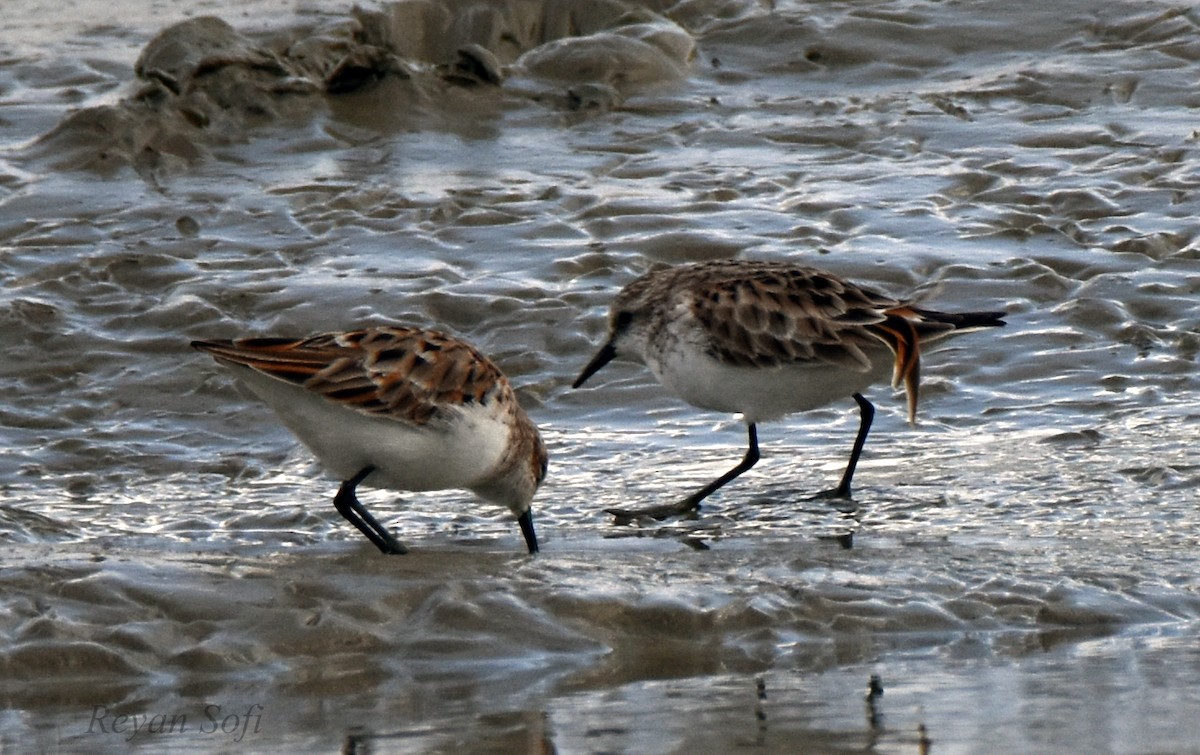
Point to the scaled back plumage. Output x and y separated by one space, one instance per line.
761 314
405 373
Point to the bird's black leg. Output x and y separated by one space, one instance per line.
354 512
692 502
749 460
526 522
866 412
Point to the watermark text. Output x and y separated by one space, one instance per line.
212 720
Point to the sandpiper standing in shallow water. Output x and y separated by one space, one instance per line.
765 339
399 408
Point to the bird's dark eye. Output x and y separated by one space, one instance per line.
623 319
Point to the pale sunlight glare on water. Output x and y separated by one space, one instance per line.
1023 561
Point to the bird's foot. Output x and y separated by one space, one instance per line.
686 507
838 498
391 547
833 494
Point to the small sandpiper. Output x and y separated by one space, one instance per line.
765 339
399 408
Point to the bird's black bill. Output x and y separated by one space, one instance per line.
526 522
603 357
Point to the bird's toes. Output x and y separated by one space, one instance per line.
657 513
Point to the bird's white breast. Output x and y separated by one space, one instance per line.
758 393
453 454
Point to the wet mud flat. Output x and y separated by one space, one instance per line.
599 646
1023 560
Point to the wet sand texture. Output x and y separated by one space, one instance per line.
204 83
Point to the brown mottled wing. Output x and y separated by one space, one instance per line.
775 315
409 374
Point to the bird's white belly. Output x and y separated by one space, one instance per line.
406 457
761 393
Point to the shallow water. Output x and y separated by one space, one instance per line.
1023 569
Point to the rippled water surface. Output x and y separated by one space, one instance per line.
1022 575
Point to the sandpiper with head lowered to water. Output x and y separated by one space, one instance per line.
399 408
